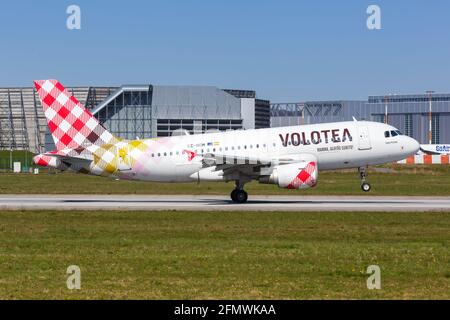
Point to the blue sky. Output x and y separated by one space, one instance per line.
285 50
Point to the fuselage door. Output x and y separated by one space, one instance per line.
364 139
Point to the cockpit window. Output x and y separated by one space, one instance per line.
392 133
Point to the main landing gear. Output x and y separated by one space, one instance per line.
239 195
365 186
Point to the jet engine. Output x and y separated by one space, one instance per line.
299 175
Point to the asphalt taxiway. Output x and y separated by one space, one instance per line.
223 203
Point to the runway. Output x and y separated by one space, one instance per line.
223 203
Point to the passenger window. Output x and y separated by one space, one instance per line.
387 134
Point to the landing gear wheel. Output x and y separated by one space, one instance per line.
233 195
239 196
365 187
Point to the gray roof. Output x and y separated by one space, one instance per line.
185 101
192 96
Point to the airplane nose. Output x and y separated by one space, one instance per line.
412 146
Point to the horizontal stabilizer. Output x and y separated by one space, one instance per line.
62 162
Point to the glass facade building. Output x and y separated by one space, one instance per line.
128 112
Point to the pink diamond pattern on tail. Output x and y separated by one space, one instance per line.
68 119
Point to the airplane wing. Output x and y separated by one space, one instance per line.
228 164
227 160
298 171
222 159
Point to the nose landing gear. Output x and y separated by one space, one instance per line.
365 186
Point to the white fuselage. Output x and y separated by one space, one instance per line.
335 146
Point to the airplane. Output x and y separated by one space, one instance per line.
290 157
435 149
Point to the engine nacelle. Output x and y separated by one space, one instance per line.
300 175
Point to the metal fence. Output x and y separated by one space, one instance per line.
8 158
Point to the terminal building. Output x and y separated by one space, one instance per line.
408 113
134 111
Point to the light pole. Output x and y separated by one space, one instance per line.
10 156
386 106
430 117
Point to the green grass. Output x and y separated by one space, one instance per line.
22 156
399 180
224 255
